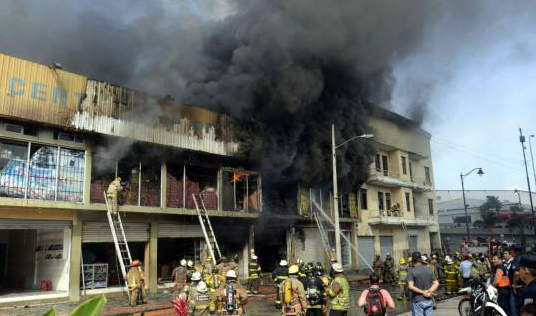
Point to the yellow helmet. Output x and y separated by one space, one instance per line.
410 259
293 269
209 259
118 178
402 261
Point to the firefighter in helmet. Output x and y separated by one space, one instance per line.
231 298
254 275
279 275
136 284
199 300
180 275
292 293
113 190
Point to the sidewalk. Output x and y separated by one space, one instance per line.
445 308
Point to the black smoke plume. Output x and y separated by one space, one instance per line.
287 69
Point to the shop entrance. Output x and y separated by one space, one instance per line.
271 247
172 250
34 262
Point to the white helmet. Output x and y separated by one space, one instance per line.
447 258
283 263
231 274
190 263
202 287
253 257
299 261
196 276
449 261
183 262
337 267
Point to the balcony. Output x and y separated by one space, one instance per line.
389 179
383 220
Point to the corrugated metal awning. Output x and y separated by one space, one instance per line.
33 224
179 231
100 232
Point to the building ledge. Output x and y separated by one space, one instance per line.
397 221
55 205
391 181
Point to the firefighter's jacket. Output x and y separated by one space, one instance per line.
254 270
402 274
199 301
314 291
135 278
451 273
113 188
279 275
298 299
241 297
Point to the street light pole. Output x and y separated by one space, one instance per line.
480 172
335 197
335 188
518 197
522 141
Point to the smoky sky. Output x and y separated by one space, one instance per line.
286 69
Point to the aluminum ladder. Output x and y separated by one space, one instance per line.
323 234
408 239
204 220
120 241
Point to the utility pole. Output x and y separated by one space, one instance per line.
335 197
465 209
522 141
532 158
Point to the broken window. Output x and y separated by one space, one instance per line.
183 181
175 185
103 172
129 169
240 191
150 184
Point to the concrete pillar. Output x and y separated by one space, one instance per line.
163 185
153 264
88 164
353 238
76 254
219 189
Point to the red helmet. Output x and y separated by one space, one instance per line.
135 263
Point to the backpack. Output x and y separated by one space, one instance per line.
374 303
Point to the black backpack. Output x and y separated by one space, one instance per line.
374 303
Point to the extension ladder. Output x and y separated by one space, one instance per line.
204 220
323 235
120 241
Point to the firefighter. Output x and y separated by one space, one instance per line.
451 276
190 269
180 275
214 280
113 189
136 283
402 276
279 275
231 298
233 265
254 275
321 273
339 292
292 292
434 266
223 266
301 267
199 300
314 291
388 269
378 267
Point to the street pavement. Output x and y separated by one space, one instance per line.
447 307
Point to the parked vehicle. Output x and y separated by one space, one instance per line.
482 300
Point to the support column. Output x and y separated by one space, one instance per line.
76 254
153 264
353 238
163 185
88 164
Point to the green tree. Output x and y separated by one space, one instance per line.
489 211
517 222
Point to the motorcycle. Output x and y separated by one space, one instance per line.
482 300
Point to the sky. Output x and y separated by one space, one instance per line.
480 81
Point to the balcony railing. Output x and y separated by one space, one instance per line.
389 178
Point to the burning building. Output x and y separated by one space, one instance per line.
64 137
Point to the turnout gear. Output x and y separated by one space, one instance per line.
254 275
378 267
451 276
339 293
279 275
388 269
293 292
199 301
402 275
113 189
314 293
231 297
136 284
180 276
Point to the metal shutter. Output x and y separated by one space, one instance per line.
179 231
386 245
100 232
413 244
311 250
30 224
366 249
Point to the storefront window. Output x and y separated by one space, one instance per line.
13 158
71 175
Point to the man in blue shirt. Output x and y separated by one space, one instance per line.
527 274
465 270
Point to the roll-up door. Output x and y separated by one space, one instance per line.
366 249
31 224
100 232
166 230
413 243
310 248
386 245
